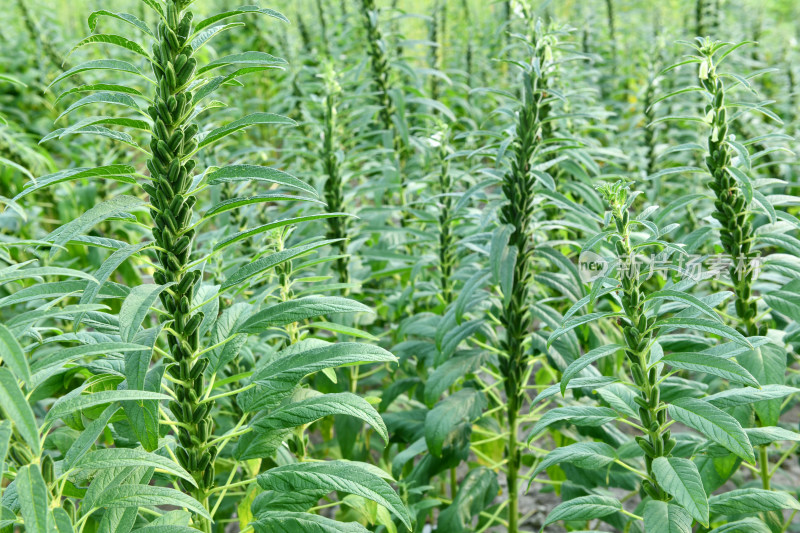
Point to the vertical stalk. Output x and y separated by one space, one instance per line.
334 194
171 167
731 206
637 334
518 189
446 236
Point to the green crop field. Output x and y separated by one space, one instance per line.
395 266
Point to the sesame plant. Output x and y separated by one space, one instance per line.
375 266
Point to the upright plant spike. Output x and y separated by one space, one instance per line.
172 144
518 190
638 336
379 63
447 239
732 209
334 190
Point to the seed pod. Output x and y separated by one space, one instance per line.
646 447
198 368
638 375
208 477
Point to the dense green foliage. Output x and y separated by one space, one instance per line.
349 266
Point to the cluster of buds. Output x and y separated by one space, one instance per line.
173 143
380 65
731 209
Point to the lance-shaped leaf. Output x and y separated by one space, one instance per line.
702 324
744 396
113 98
752 501
666 518
235 203
97 64
475 493
136 307
768 435
716 366
265 263
576 321
244 122
688 299
116 40
124 496
244 10
579 415
680 478
88 436
312 409
116 206
17 409
125 17
13 356
585 360
237 173
345 476
285 521
69 404
121 173
448 425
33 498
250 59
714 423
273 225
584 508
299 309
589 455
124 457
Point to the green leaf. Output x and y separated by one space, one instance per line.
97 64
116 206
61 520
91 87
767 363
125 17
680 478
13 356
448 425
785 302
33 498
701 324
239 11
745 525
663 517
768 435
286 521
136 307
244 122
104 97
116 40
69 404
578 415
752 501
17 409
476 492
709 364
124 457
234 203
250 59
279 377
312 409
299 309
88 436
688 299
576 321
236 173
273 225
585 360
104 272
589 455
123 496
39 272
735 397
583 508
714 423
121 173
345 476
